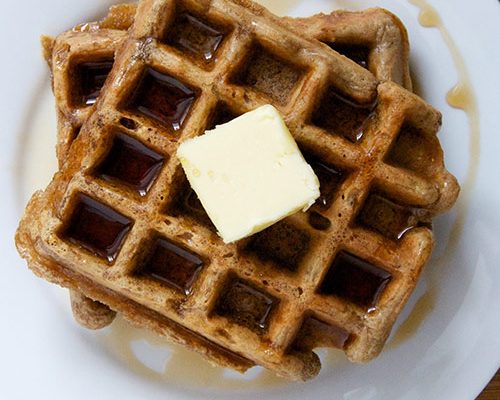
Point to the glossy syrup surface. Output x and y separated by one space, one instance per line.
330 178
97 227
91 76
341 116
132 163
128 123
179 372
171 264
162 98
461 96
355 280
188 204
246 305
180 366
387 217
192 35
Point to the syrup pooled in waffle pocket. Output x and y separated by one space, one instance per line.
124 229
81 58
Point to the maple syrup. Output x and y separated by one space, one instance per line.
193 36
121 334
387 217
163 99
97 227
221 116
171 264
355 280
341 116
128 123
415 319
91 77
461 96
330 178
132 163
178 365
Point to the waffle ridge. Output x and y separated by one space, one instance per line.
349 30
284 302
377 31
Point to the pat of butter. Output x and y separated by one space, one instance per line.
249 173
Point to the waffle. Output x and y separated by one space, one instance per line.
374 38
120 210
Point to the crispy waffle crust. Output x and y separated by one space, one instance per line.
374 38
139 242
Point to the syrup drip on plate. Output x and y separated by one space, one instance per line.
462 97
279 7
178 365
177 368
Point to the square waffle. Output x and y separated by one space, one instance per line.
374 38
117 222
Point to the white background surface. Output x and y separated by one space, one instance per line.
454 348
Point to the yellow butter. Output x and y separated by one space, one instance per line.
249 173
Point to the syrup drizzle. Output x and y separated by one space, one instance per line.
195 37
355 280
178 366
92 76
97 227
132 163
279 7
172 265
460 96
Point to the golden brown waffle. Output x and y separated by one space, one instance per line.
119 224
83 56
80 60
374 38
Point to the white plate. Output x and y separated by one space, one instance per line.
446 348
